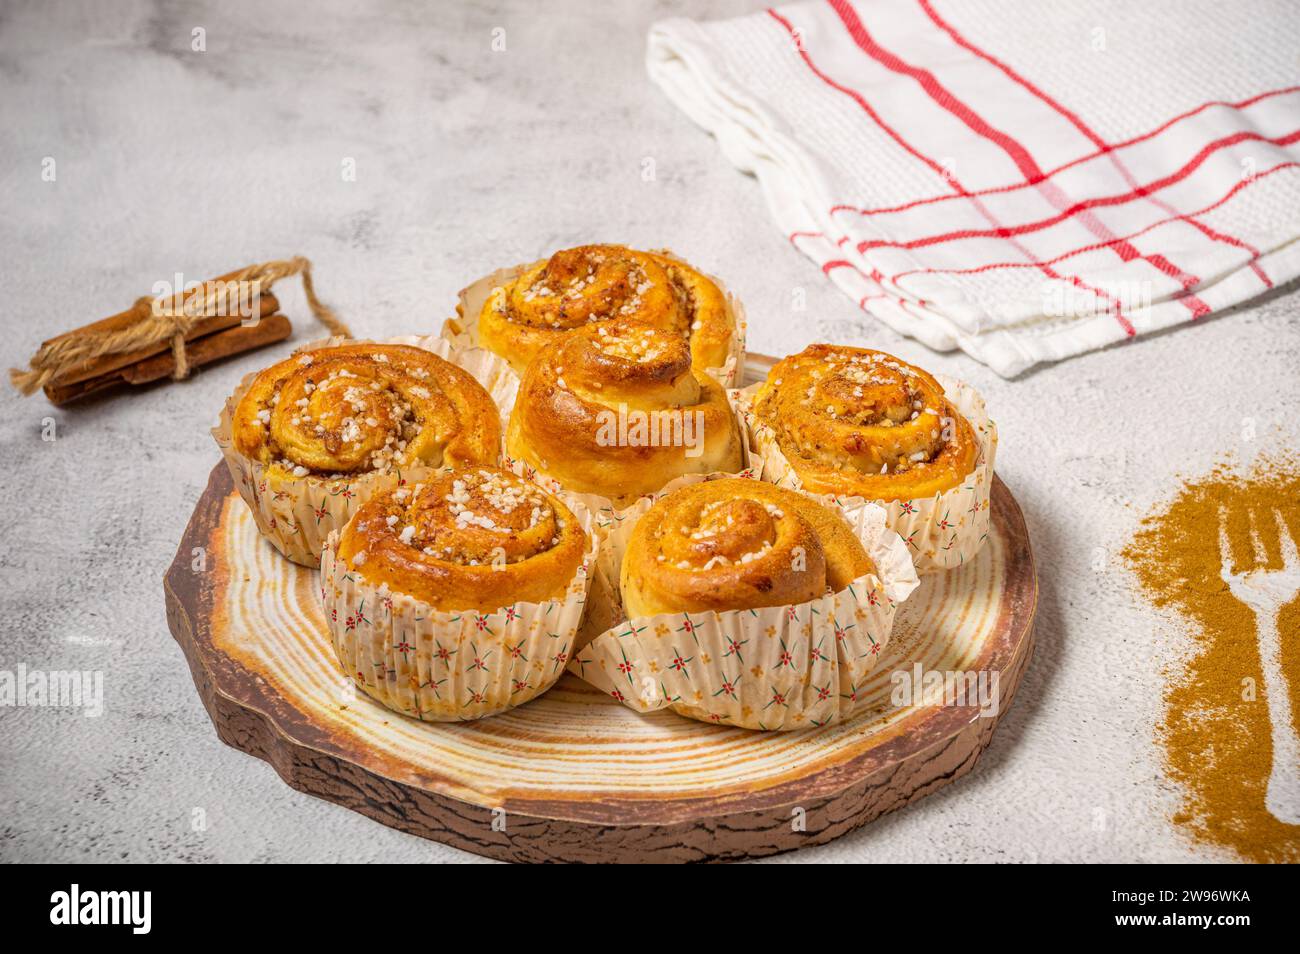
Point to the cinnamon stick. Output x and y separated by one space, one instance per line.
199 351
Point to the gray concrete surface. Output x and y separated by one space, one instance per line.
169 159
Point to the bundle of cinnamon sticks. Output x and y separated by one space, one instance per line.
168 335
211 338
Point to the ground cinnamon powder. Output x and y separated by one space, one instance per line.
1216 732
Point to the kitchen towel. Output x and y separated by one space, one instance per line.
1025 181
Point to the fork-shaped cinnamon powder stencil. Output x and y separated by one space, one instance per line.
1223 554
1266 588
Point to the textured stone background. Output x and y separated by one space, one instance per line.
466 159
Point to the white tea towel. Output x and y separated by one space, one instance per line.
1024 181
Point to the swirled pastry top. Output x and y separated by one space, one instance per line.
737 544
857 422
591 283
616 408
468 539
364 408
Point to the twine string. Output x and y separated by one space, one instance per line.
155 321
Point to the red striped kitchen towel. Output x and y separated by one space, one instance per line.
1026 181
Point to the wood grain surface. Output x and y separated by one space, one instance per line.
574 776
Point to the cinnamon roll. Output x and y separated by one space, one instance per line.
578 286
311 437
616 408
864 423
749 604
468 539
736 544
856 423
458 596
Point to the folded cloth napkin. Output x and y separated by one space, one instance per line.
1024 181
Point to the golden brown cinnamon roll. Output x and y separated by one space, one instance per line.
856 422
578 286
860 424
615 408
736 544
749 604
313 436
469 539
457 597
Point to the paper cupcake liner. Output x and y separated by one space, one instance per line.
463 330
440 666
941 532
774 668
297 514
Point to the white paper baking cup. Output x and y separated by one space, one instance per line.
774 668
941 532
441 666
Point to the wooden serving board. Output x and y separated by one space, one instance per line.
573 775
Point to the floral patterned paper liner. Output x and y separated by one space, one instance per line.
463 330
943 531
297 513
774 668
440 666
